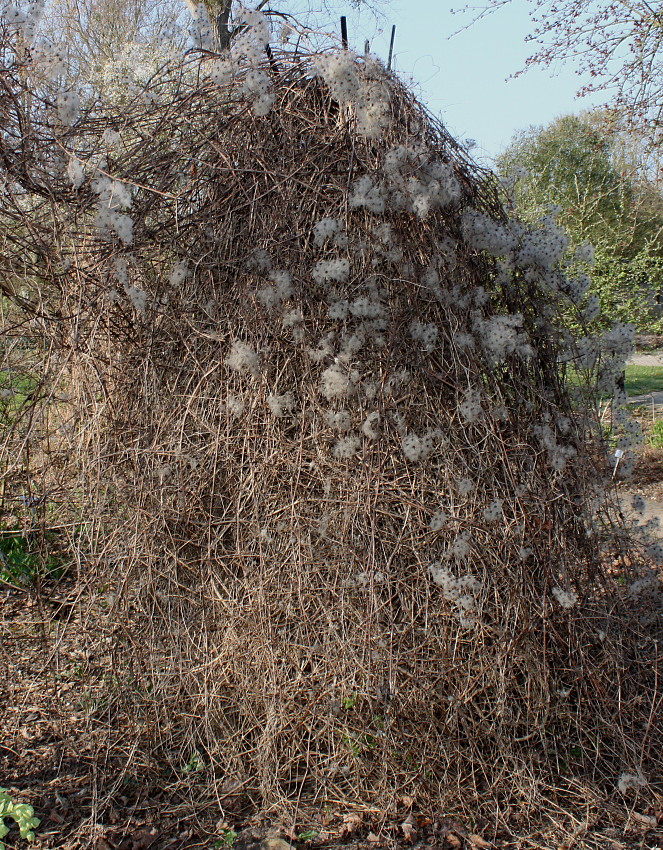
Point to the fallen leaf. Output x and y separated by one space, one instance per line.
458 828
453 841
406 801
279 830
351 823
372 838
409 832
478 841
275 844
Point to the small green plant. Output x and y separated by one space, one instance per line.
195 763
656 436
20 564
227 839
17 564
349 703
358 744
352 745
21 813
307 835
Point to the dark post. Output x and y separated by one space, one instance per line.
344 32
391 47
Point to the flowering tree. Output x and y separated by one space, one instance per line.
94 33
617 46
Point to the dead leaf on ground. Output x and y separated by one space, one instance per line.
452 841
409 832
140 839
275 844
372 838
351 824
478 841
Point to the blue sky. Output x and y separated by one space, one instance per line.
463 80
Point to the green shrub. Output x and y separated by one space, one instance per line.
21 813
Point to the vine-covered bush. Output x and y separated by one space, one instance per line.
311 393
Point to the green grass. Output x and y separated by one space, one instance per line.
22 562
15 390
656 436
644 379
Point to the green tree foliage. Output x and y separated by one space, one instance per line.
630 290
600 184
581 167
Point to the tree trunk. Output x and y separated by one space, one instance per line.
219 14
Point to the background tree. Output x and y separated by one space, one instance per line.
593 175
601 178
617 47
222 13
93 33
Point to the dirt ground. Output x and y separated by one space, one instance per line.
647 479
68 750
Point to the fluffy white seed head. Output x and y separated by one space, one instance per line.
339 72
461 592
339 420
493 511
331 271
68 107
566 598
485 234
424 334
631 782
438 521
75 172
470 408
326 228
416 447
371 426
346 447
369 194
234 406
281 405
243 358
178 274
338 383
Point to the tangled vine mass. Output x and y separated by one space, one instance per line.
305 388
